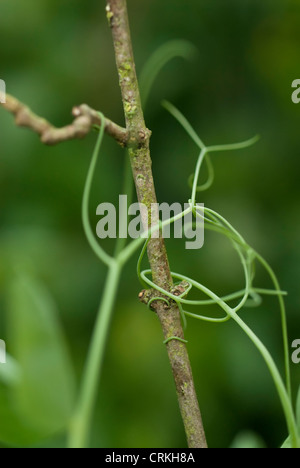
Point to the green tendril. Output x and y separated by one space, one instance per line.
249 296
163 55
175 338
153 299
98 250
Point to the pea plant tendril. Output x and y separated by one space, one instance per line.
249 296
165 291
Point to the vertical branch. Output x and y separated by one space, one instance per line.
139 151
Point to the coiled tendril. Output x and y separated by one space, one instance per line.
249 296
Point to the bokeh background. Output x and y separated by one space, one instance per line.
56 54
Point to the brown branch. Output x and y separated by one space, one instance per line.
141 163
136 137
84 120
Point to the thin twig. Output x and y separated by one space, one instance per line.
138 145
136 137
84 120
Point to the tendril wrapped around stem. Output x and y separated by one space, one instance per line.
249 296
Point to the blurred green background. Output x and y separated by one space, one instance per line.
56 54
